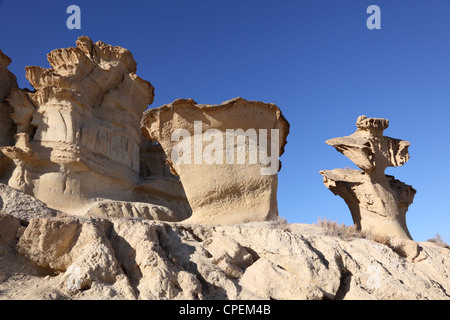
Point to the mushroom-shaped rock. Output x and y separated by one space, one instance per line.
378 202
78 141
227 156
81 125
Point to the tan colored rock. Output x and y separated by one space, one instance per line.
79 250
125 209
7 128
225 179
153 161
10 228
23 206
151 260
86 107
130 258
157 185
267 280
228 255
378 202
78 140
85 258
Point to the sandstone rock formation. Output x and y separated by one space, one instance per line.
378 202
71 257
93 211
7 127
78 141
227 180
157 185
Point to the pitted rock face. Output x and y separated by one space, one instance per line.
369 149
377 202
87 108
78 135
221 191
372 124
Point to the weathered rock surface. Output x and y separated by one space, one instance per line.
76 257
157 185
378 202
78 135
7 128
23 206
225 178
92 211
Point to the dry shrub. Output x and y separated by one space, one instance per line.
437 240
377 238
332 228
279 223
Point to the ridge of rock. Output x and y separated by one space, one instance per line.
76 257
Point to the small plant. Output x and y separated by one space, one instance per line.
279 223
437 240
332 228
377 238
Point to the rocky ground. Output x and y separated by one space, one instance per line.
45 254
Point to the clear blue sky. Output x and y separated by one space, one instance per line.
315 59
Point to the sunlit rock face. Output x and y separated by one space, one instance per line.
78 135
220 157
378 202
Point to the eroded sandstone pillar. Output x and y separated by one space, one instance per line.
7 126
78 134
78 141
226 181
80 126
378 202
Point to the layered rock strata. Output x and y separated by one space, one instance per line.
227 156
377 202
78 140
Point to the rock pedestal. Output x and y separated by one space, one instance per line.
218 152
378 202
